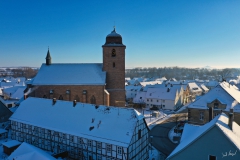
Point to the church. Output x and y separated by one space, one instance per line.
95 83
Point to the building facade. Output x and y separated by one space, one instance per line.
112 133
222 98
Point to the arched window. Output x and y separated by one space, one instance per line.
60 97
93 100
113 53
113 64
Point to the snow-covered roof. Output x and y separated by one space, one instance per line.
132 88
163 92
112 125
29 152
11 143
15 92
140 97
191 133
225 93
204 88
70 74
151 83
194 87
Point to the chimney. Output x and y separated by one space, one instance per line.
230 119
74 103
54 101
210 113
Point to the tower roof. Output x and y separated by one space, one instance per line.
114 34
48 54
114 39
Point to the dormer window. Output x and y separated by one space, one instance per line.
215 105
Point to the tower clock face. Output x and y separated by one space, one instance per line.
113 53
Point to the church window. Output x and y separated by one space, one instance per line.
51 91
84 92
60 97
77 98
113 53
93 100
68 92
114 65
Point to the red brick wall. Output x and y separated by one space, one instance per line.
97 91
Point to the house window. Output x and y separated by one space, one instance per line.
163 106
99 145
99 157
211 157
157 100
64 136
215 105
89 143
201 116
147 100
109 147
151 100
80 141
114 65
119 150
71 138
139 134
84 92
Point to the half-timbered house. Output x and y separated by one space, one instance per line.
85 131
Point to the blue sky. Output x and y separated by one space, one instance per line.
186 33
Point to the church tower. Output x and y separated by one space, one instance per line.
114 65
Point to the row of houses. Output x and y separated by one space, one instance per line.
165 95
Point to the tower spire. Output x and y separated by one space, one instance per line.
48 58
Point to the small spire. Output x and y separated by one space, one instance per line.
114 29
48 57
